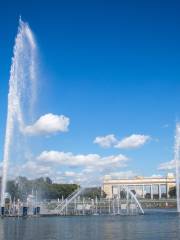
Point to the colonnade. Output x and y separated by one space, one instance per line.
150 191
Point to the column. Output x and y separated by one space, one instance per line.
151 191
119 190
143 191
167 189
159 190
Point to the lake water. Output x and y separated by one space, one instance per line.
152 226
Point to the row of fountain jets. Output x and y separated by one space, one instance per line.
22 95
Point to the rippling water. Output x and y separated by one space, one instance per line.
152 226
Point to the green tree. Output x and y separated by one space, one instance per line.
94 192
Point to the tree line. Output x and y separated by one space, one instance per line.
45 189
42 188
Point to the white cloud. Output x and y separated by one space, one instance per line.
167 165
48 123
86 170
70 174
36 169
156 176
133 141
31 169
106 141
120 175
89 160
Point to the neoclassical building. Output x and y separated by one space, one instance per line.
143 187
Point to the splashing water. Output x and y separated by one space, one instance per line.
177 160
22 92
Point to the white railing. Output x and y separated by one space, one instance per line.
68 200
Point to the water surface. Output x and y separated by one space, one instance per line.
152 226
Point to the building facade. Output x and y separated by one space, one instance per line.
143 187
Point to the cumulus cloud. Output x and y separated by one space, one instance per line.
120 175
82 169
31 169
106 141
48 123
85 170
95 178
167 165
36 169
89 160
133 141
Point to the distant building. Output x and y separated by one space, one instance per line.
143 187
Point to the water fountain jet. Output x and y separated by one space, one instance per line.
21 94
177 161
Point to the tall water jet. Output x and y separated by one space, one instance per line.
21 94
177 161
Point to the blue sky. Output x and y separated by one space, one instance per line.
112 67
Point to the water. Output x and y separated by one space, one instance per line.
20 97
177 161
151 226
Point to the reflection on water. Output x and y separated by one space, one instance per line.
151 226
